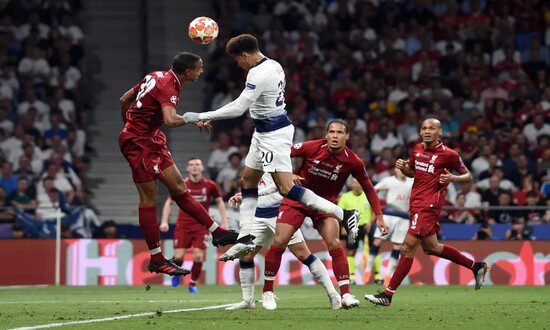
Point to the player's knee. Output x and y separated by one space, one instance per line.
280 241
406 248
430 249
147 200
333 244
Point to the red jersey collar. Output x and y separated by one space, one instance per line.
175 76
425 147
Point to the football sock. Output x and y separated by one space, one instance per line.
187 203
196 270
247 276
272 264
320 273
403 267
452 254
392 263
372 255
313 201
351 263
148 222
341 269
247 209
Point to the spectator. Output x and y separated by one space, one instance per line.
108 230
8 180
5 213
484 232
481 163
503 215
219 157
461 215
228 177
24 197
519 231
384 139
535 129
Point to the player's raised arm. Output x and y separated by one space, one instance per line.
166 210
222 210
126 101
457 165
360 174
171 117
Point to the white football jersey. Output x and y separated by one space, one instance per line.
268 194
265 86
398 192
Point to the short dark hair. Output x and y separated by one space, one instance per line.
193 158
184 61
339 121
244 43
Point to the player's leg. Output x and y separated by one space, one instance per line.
397 235
317 269
404 265
373 254
174 182
329 229
431 246
179 255
147 214
283 233
287 188
196 269
247 278
392 263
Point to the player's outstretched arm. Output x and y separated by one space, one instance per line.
166 210
126 101
223 211
171 117
464 177
230 110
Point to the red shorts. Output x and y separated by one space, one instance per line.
295 215
186 239
147 155
424 221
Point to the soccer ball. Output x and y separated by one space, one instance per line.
203 30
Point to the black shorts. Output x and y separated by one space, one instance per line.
360 238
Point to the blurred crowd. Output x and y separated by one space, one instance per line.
481 67
43 105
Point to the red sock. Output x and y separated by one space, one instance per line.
452 254
189 205
340 268
403 267
196 270
272 264
150 228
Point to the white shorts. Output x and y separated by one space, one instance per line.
264 230
397 229
270 151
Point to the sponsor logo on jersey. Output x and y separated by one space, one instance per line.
250 86
424 167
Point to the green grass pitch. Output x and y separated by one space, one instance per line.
299 307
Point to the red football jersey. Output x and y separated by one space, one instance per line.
428 164
326 172
156 90
204 192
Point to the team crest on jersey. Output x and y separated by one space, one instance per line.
250 86
337 169
174 99
432 160
298 145
315 161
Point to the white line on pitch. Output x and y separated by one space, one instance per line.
52 325
107 301
4 287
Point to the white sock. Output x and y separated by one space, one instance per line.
313 201
320 273
392 264
155 251
247 276
246 215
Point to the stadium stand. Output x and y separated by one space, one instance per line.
44 107
481 67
